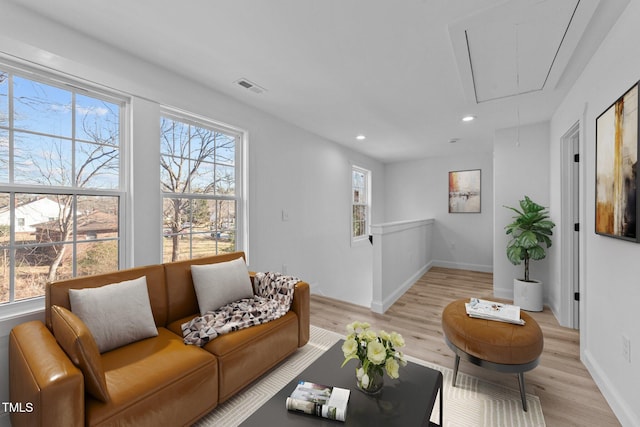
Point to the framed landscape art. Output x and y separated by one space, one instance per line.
616 168
464 191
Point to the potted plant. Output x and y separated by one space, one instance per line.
530 232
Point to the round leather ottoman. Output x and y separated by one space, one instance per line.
500 346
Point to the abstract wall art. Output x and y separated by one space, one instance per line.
616 168
464 191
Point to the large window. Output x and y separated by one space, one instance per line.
60 184
360 195
200 174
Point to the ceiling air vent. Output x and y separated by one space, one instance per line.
247 84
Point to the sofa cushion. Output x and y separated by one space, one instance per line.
57 293
246 354
116 314
76 340
157 381
181 295
221 283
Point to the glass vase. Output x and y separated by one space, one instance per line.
369 382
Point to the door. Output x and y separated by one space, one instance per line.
570 238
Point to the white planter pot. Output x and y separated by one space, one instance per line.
527 295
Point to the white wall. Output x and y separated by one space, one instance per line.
401 255
312 183
419 189
610 289
520 167
289 168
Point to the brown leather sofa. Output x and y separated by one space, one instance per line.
157 381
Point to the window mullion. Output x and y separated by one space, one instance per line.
12 247
10 124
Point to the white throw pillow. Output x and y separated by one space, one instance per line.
221 283
116 314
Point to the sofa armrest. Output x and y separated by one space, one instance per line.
42 379
300 306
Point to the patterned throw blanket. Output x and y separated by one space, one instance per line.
272 299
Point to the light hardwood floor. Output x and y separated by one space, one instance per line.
568 394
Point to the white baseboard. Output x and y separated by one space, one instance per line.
463 266
616 401
382 306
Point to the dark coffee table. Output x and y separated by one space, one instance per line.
407 401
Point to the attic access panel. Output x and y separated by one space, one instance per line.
518 46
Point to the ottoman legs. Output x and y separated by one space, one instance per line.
523 394
455 371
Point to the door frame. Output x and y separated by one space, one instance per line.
570 239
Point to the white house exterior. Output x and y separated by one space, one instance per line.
31 213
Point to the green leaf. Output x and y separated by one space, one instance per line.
353 356
544 231
544 239
531 218
536 252
515 254
528 239
515 210
528 205
546 224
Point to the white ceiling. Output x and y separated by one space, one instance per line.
401 72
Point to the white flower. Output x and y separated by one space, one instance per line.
357 327
401 358
351 327
350 347
392 367
397 340
385 335
365 381
369 335
376 353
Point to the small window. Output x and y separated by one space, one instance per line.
360 201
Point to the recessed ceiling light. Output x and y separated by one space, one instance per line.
361 137
468 118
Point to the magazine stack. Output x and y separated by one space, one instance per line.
319 400
490 310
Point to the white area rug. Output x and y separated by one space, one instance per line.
472 403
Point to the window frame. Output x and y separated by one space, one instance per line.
240 173
76 86
355 240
